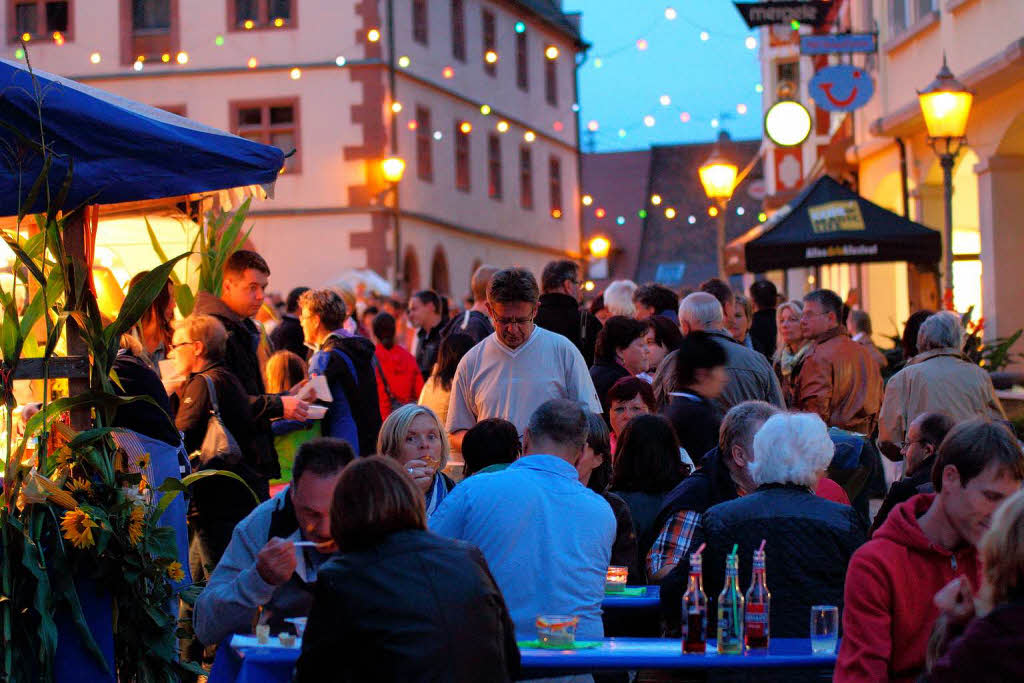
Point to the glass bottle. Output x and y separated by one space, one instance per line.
730 611
758 607
695 610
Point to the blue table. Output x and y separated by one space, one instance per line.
629 654
273 665
649 600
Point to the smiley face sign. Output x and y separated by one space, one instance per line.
841 87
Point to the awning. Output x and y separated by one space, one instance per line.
829 223
122 150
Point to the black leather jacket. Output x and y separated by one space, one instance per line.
417 607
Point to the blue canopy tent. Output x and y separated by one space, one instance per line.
122 150
118 151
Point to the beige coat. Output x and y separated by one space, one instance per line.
940 381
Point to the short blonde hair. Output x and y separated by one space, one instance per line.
796 307
208 330
396 427
1002 554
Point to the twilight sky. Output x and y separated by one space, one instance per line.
620 84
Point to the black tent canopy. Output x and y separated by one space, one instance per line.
829 223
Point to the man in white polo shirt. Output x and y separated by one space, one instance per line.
513 371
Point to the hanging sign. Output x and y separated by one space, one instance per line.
838 43
841 87
756 14
839 216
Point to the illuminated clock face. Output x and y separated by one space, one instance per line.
787 123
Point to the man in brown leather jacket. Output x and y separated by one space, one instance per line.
839 381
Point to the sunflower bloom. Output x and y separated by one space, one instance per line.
143 461
78 484
63 456
78 528
175 572
137 519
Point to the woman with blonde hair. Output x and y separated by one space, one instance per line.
284 370
414 436
989 646
791 347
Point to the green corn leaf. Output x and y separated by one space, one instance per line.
160 250
185 299
139 298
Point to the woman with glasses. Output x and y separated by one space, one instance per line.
217 503
791 347
415 437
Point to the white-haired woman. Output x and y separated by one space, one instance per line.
415 437
618 298
808 540
791 347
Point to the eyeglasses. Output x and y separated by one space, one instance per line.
509 322
172 347
807 314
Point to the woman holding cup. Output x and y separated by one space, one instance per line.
414 436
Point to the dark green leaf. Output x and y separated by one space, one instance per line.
138 300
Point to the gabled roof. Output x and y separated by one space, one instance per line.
550 12
690 247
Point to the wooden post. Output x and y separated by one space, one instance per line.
74 247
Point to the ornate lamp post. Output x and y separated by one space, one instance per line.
945 105
718 176
393 168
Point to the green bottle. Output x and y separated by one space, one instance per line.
730 611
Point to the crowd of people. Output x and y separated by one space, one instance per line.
449 476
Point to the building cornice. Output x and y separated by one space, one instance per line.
312 66
418 216
988 77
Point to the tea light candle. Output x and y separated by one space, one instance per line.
615 580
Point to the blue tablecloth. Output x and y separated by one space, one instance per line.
275 665
270 665
648 600
626 654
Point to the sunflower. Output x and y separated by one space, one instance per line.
77 484
175 572
63 456
78 528
136 521
143 461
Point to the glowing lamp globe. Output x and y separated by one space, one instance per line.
393 169
718 176
787 123
945 105
599 246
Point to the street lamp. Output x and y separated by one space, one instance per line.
599 246
393 168
945 105
718 176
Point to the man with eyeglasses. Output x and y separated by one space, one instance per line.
512 372
839 380
559 309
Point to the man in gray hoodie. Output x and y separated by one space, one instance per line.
263 570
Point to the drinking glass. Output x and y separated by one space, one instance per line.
824 629
557 631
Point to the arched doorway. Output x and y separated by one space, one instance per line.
439 281
411 271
